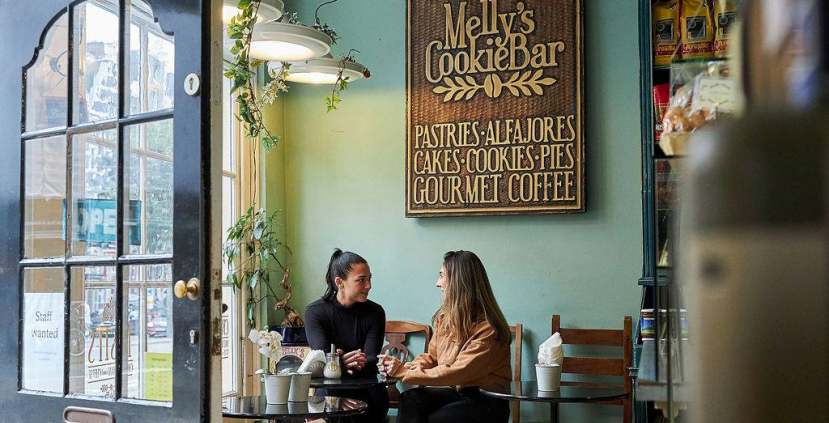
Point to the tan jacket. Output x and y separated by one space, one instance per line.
480 361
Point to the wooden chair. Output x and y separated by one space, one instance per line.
595 366
397 331
517 332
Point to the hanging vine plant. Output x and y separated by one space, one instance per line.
242 72
341 84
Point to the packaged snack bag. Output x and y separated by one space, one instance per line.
661 97
725 14
696 35
665 31
701 92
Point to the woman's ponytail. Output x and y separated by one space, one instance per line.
339 265
331 289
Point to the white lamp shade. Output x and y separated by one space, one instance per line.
323 70
269 10
288 42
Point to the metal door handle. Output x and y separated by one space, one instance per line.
87 415
189 288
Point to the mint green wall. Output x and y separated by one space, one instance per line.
344 187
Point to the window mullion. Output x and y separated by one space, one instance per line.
123 48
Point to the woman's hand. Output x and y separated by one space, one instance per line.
353 361
387 365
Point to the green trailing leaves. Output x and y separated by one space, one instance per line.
242 71
341 84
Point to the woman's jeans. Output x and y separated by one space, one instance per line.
447 405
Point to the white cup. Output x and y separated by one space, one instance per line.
277 388
300 384
548 376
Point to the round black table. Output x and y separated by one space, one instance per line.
315 407
528 391
351 382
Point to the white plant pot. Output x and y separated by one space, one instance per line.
300 384
277 388
548 377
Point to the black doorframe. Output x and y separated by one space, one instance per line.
22 27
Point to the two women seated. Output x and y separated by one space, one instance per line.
469 349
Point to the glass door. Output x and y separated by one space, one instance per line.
105 170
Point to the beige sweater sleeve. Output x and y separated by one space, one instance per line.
477 357
426 360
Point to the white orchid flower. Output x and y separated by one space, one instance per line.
269 343
254 336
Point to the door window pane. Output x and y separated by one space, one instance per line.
92 372
151 62
44 197
95 61
148 215
46 81
94 193
148 332
43 329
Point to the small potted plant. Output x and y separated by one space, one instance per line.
269 344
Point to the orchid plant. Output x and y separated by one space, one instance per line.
269 344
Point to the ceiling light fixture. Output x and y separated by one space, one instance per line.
323 70
288 42
269 10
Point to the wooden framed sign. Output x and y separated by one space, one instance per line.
494 107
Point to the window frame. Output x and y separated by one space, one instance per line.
231 129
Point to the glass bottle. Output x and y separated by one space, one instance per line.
332 365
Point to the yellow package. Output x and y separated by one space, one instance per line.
725 14
665 31
696 35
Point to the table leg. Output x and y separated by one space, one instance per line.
553 412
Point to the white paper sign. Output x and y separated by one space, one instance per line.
43 342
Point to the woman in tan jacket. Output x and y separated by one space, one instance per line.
470 348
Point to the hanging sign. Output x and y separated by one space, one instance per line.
97 222
495 107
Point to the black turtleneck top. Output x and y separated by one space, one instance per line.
361 326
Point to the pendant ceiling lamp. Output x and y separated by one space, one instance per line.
269 10
288 42
323 70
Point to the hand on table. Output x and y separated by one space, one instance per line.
387 364
353 361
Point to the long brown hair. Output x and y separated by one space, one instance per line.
468 298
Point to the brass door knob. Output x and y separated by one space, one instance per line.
189 288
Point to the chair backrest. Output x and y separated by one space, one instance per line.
517 332
598 366
396 333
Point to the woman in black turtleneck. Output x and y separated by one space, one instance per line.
345 317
